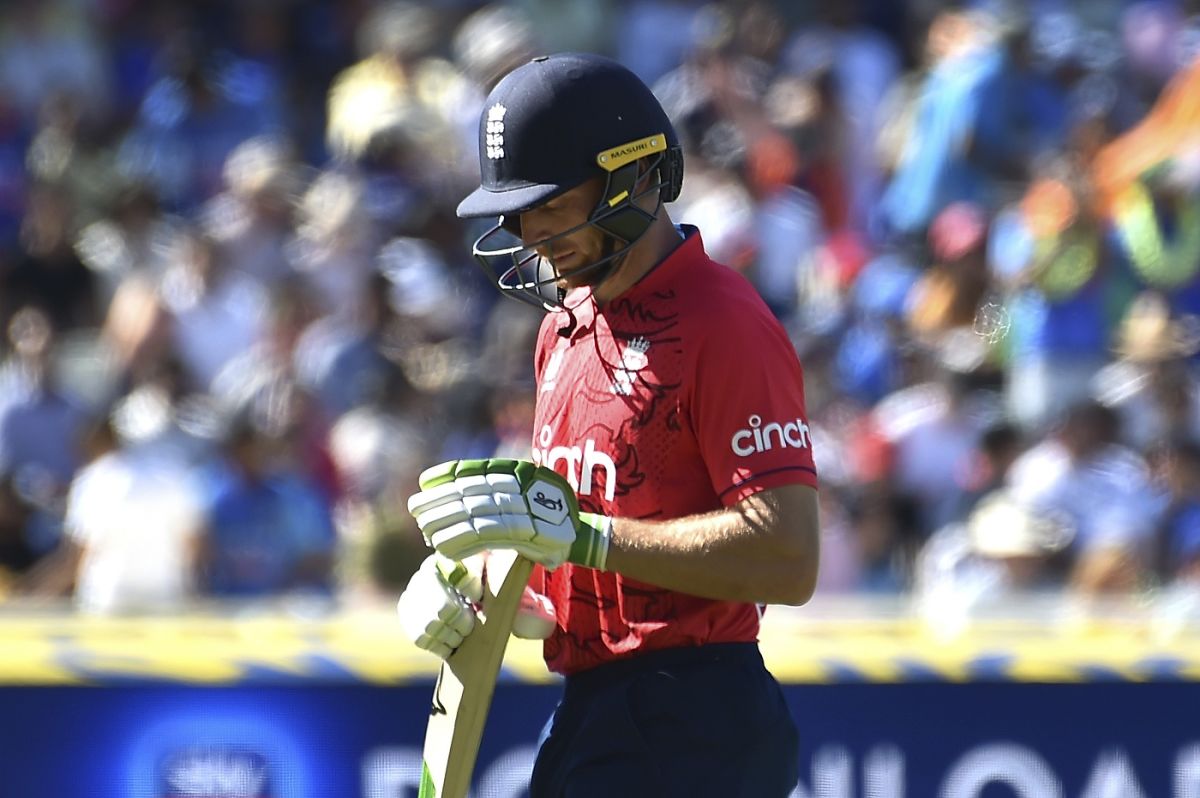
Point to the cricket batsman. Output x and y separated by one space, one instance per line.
670 494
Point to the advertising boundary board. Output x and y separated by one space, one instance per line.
933 739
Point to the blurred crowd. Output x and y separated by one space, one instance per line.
239 315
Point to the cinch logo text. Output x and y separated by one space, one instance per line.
581 463
760 438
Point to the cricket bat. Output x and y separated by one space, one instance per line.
465 684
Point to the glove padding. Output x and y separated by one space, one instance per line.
438 608
469 506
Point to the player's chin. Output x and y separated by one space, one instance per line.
573 280
579 276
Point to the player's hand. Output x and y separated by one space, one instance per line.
469 506
535 617
438 608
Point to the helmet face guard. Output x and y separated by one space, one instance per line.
519 272
550 126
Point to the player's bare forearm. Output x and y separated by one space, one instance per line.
765 549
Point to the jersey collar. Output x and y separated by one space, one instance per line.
583 306
667 271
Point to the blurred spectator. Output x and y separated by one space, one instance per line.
13 179
379 92
343 361
820 139
1152 385
47 48
841 559
430 305
268 529
864 65
970 217
136 332
251 219
1003 549
1104 487
40 426
490 43
262 375
509 327
47 273
496 420
262 382
997 448
1024 108
788 232
724 207
334 247
713 96
380 448
653 36
829 100
216 312
1175 550
933 167
130 530
73 151
162 411
884 529
133 237
17 552
932 430
948 295
1058 282
871 357
190 121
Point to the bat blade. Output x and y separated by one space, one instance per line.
463 693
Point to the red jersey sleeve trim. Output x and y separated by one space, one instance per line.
760 481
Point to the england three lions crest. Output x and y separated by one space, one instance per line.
633 360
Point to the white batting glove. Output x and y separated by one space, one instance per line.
469 506
437 609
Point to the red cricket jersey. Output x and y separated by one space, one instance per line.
681 396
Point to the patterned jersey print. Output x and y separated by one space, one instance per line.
682 396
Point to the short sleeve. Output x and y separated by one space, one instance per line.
747 406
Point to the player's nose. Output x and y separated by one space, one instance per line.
534 229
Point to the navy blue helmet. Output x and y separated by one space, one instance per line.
551 125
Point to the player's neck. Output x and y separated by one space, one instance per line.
651 249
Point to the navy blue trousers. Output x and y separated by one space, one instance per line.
705 721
